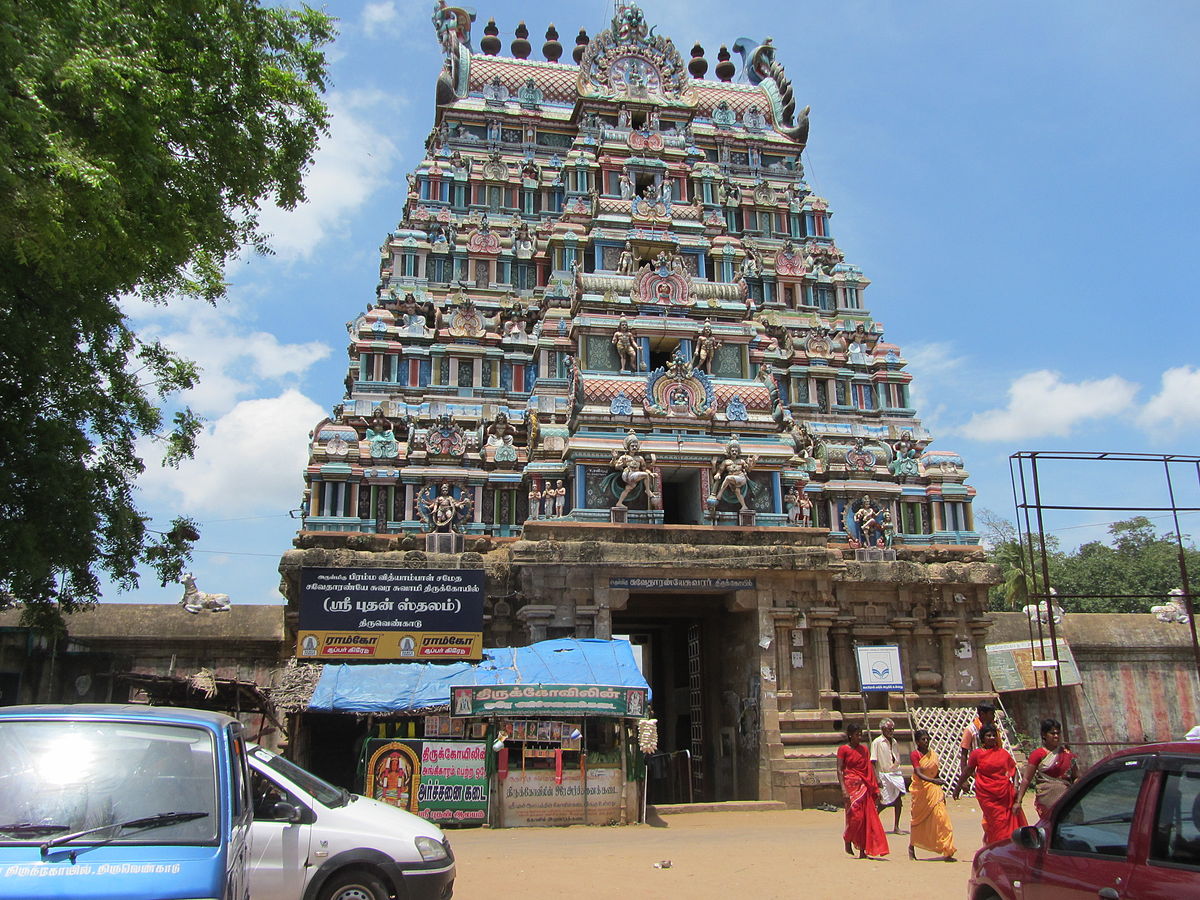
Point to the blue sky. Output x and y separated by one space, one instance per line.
1018 180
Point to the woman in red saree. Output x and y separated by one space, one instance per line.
1052 768
993 768
856 776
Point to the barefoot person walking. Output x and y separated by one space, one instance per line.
1051 768
993 768
931 828
856 777
885 757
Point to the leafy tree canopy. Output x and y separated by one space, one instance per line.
1132 572
137 142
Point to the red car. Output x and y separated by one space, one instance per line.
1130 828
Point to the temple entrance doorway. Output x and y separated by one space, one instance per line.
684 643
681 497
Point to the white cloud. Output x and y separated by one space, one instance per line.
1177 404
1041 404
352 163
379 18
250 459
931 359
235 361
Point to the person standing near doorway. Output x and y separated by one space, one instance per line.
885 757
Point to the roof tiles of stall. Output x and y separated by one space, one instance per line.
398 688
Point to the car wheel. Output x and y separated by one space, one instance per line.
354 884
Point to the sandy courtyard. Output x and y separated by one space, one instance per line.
742 855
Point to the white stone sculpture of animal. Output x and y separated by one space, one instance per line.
194 600
1173 610
1037 613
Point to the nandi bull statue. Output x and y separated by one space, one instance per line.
195 600
1174 610
1043 609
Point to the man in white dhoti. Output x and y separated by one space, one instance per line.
885 756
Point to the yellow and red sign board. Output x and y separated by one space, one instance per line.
400 645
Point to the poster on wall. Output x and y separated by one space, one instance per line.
442 781
402 614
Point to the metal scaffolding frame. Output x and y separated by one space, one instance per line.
1030 506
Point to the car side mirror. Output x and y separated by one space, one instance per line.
284 811
1030 837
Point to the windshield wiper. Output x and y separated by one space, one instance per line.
161 820
18 829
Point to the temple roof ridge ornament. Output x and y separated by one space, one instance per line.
630 60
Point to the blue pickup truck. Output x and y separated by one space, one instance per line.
103 802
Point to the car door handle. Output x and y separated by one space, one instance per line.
1109 894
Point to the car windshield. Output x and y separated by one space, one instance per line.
323 791
58 777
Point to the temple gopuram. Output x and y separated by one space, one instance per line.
619 367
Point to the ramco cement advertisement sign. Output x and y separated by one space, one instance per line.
390 614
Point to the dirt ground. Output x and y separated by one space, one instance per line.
742 855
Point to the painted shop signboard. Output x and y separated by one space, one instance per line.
442 781
534 798
547 699
1012 666
417 614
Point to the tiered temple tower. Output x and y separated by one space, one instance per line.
616 352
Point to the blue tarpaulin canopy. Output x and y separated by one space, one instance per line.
394 688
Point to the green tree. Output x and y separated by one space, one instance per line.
1132 573
137 142
1020 561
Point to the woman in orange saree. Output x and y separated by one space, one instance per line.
993 768
856 776
931 828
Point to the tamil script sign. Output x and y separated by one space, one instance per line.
442 781
390 613
1012 665
682 584
547 699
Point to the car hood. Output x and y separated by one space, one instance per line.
373 817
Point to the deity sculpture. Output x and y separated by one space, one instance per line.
905 463
633 471
731 472
535 501
498 440
626 264
560 499
867 518
381 437
803 444
441 512
888 528
625 340
706 348
626 184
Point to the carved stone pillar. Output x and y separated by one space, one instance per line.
945 628
819 621
784 620
979 626
537 617
903 628
844 655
